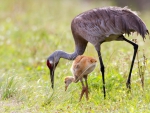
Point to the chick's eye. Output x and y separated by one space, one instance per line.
65 82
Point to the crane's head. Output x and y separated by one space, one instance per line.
52 62
68 80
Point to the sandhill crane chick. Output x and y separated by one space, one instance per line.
81 67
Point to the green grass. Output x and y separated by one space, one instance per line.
31 30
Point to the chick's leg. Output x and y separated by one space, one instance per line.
86 87
83 90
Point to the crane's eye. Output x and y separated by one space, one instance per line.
65 82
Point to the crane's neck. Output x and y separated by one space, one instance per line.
55 57
61 54
68 56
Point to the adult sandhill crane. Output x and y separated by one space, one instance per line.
81 67
98 26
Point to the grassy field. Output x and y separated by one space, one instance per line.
31 30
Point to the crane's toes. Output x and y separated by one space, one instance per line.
128 85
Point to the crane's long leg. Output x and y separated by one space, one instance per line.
102 71
128 84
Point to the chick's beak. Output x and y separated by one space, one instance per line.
66 88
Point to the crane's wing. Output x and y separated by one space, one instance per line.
103 22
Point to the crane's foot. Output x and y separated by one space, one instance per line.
128 86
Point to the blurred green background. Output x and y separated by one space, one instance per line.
30 30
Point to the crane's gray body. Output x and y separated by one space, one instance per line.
106 24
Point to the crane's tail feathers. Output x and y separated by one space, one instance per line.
133 23
148 33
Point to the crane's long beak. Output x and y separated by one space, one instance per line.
52 77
